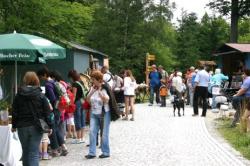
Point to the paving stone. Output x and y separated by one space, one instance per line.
156 138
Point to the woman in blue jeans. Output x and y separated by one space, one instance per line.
30 105
100 115
79 92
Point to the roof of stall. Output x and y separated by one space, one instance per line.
231 48
88 49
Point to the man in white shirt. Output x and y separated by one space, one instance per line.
201 91
107 76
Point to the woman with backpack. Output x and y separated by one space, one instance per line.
79 92
100 113
61 89
29 106
129 93
56 138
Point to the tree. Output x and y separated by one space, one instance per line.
213 31
244 31
187 51
237 8
127 29
56 19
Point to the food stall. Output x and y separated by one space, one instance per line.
233 58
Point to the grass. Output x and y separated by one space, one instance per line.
240 141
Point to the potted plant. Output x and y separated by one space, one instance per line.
4 114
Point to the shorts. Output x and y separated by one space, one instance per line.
70 121
45 138
129 95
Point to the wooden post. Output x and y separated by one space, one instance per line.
146 71
149 58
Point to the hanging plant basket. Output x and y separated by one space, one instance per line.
4 113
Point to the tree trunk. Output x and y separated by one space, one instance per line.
234 21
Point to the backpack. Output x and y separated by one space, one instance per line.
84 102
66 100
114 111
71 107
84 89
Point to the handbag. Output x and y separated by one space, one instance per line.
40 122
44 127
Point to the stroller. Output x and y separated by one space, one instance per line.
119 97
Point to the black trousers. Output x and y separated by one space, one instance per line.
188 96
163 101
200 93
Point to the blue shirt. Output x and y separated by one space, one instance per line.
192 80
218 78
155 79
202 78
246 85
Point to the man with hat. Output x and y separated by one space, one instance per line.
154 84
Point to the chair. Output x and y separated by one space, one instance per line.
222 104
221 100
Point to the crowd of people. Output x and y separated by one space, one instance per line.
195 87
45 117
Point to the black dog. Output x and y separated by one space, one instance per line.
178 103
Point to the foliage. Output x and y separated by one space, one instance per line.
187 51
237 8
132 28
4 105
239 140
244 31
214 31
224 7
56 19
123 29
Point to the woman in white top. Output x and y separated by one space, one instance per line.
129 93
100 115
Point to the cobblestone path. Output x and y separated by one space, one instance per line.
156 138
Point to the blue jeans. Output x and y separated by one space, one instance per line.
79 116
30 138
157 96
95 123
214 104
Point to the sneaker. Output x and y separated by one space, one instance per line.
89 156
125 118
40 155
75 141
215 110
150 104
81 141
55 154
46 156
69 136
103 156
132 119
64 152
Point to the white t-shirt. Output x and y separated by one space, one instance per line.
177 83
129 86
107 77
96 102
